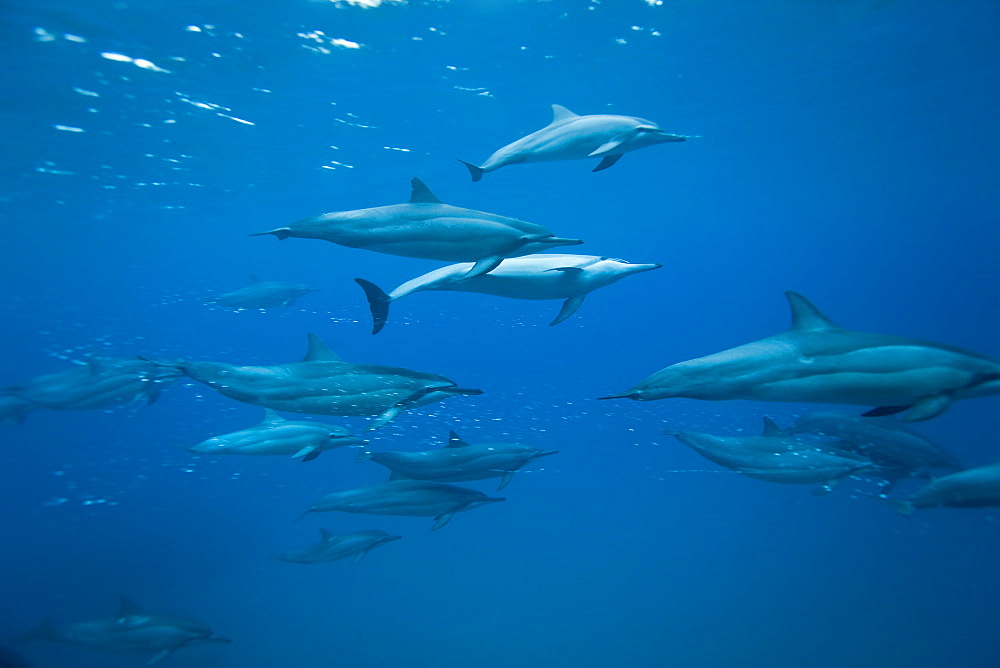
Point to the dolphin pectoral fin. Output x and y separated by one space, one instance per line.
160 656
483 266
885 410
606 148
927 408
569 307
607 161
505 480
360 557
474 171
378 303
441 520
363 455
153 394
386 417
902 507
308 453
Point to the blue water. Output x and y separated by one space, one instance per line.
844 149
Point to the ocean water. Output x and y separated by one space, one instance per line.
845 149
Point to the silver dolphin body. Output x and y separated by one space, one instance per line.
333 547
275 435
775 457
427 228
262 294
573 137
972 488
99 383
324 384
460 461
130 631
416 498
536 277
818 362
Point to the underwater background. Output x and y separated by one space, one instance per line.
845 149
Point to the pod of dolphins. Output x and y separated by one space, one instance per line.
815 361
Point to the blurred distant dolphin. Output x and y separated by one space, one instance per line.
262 294
405 497
541 276
573 137
324 384
14 409
775 456
459 461
898 450
275 435
818 362
972 488
427 228
98 383
130 631
332 547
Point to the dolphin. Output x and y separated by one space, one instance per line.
573 137
459 461
98 383
427 228
275 435
332 547
15 409
322 383
541 276
818 362
262 294
130 631
898 450
405 497
775 457
972 488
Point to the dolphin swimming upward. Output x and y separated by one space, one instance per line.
427 228
541 276
322 383
818 362
573 137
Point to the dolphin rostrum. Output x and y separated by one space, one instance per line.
275 435
818 362
262 294
416 498
542 276
573 137
427 228
332 547
459 461
322 383
130 631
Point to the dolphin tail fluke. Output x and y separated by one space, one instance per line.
44 631
474 171
282 233
378 303
927 408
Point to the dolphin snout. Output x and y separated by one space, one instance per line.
559 241
546 453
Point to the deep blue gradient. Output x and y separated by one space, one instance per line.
845 149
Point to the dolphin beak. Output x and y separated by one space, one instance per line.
639 268
546 453
461 390
559 241
348 440
623 395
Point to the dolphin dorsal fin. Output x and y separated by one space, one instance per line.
318 352
805 316
126 608
270 417
561 113
455 441
421 194
254 278
771 428
325 534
